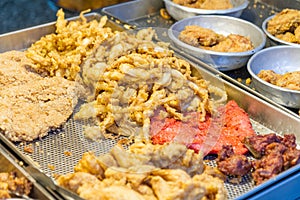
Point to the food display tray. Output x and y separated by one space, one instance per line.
9 163
142 13
61 150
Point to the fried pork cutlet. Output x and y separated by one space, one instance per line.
32 105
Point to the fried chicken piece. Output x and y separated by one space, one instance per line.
208 39
288 80
287 36
216 4
198 36
233 43
268 75
114 192
206 4
285 21
75 180
297 34
233 164
90 164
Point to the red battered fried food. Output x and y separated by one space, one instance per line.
236 126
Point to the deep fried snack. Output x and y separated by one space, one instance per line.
276 155
206 4
11 183
208 39
61 53
32 105
285 25
233 164
131 77
145 171
289 80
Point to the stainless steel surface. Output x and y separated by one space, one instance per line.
49 153
225 25
274 40
80 5
281 59
8 163
179 12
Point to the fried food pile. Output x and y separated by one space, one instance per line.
289 80
285 25
145 171
30 104
206 4
61 53
273 154
11 183
134 77
205 38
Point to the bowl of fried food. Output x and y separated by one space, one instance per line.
283 28
275 73
223 42
180 9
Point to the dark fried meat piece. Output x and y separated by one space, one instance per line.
289 140
288 80
269 166
291 157
257 143
277 156
233 164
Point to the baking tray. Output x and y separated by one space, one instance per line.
9 163
58 152
141 13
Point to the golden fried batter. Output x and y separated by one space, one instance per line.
208 39
284 25
135 77
61 53
289 80
30 104
206 4
147 172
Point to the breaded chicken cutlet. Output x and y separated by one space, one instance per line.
30 104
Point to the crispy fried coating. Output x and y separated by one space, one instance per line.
284 25
147 172
289 80
210 40
135 77
206 4
62 52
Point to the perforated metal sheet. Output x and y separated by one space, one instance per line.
61 150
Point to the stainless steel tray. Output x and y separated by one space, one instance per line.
8 163
58 152
141 13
